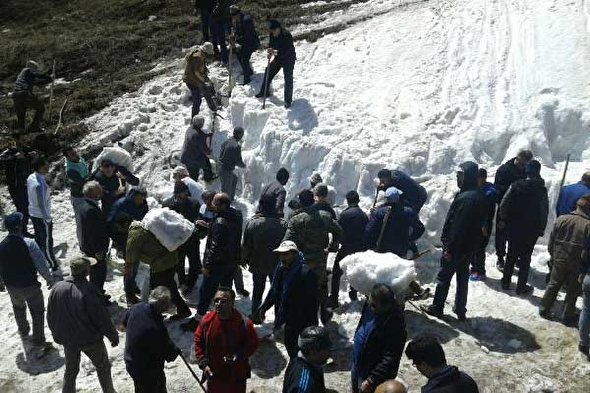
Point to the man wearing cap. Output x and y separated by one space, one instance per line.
196 190
244 34
393 226
182 203
196 77
523 215
195 150
304 373
294 295
283 50
20 261
230 156
23 96
79 320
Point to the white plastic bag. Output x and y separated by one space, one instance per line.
170 228
116 155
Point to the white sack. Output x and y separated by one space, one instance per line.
116 155
365 269
169 227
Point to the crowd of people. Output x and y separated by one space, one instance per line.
286 243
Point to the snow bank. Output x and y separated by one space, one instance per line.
365 269
116 155
169 227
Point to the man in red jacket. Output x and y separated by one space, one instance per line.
224 341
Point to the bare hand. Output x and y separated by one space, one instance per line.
365 387
208 372
120 191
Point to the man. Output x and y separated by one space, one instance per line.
16 163
195 151
294 295
196 190
196 78
244 33
413 193
584 279
353 221
20 261
79 320
282 48
262 235
569 195
147 343
393 227
126 210
143 246
39 195
77 174
428 357
523 216
478 263
461 235
508 173
113 180
23 96
277 190
321 202
182 203
379 341
220 22
94 239
224 341
205 8
568 238
222 252
304 373
314 180
230 156
310 230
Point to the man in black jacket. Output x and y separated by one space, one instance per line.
23 96
205 8
379 341
294 295
195 151
523 215
94 240
147 343
230 156
508 173
16 163
244 33
353 221
277 190
428 357
321 201
281 46
461 235
79 320
113 179
182 203
304 373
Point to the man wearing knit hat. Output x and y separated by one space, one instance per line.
196 77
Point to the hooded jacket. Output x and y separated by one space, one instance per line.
507 174
450 380
262 235
309 229
461 231
223 250
524 208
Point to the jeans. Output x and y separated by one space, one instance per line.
459 265
189 250
44 239
259 283
32 297
166 279
585 316
98 274
273 69
229 182
519 249
22 102
97 353
219 277
562 274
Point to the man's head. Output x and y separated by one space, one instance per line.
320 192
238 133
40 165
352 198
391 386
92 190
181 191
14 223
426 354
584 203
197 122
138 196
207 48
522 158
305 198
393 195
533 169
385 179
207 198
287 252
315 179
268 204
224 302
80 266
275 27
32 64
160 299
467 175
382 299
315 344
71 154
221 202
282 176
482 177
586 178
107 168
234 12
179 173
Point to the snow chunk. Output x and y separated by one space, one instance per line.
169 227
365 269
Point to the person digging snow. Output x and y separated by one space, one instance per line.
197 79
244 35
23 96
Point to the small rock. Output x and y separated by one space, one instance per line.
485 349
152 18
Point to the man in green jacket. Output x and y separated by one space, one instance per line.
143 246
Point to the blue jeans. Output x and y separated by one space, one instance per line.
585 316
218 277
459 265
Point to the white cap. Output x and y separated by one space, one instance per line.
286 246
207 48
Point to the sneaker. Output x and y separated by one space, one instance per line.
474 276
243 292
190 325
431 310
460 316
524 290
546 315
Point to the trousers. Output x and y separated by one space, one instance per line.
44 239
584 323
562 274
97 353
273 69
166 279
32 297
520 250
458 266
229 182
218 277
22 102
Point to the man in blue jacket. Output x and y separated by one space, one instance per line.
569 195
413 194
244 33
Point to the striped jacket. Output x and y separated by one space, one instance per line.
303 377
